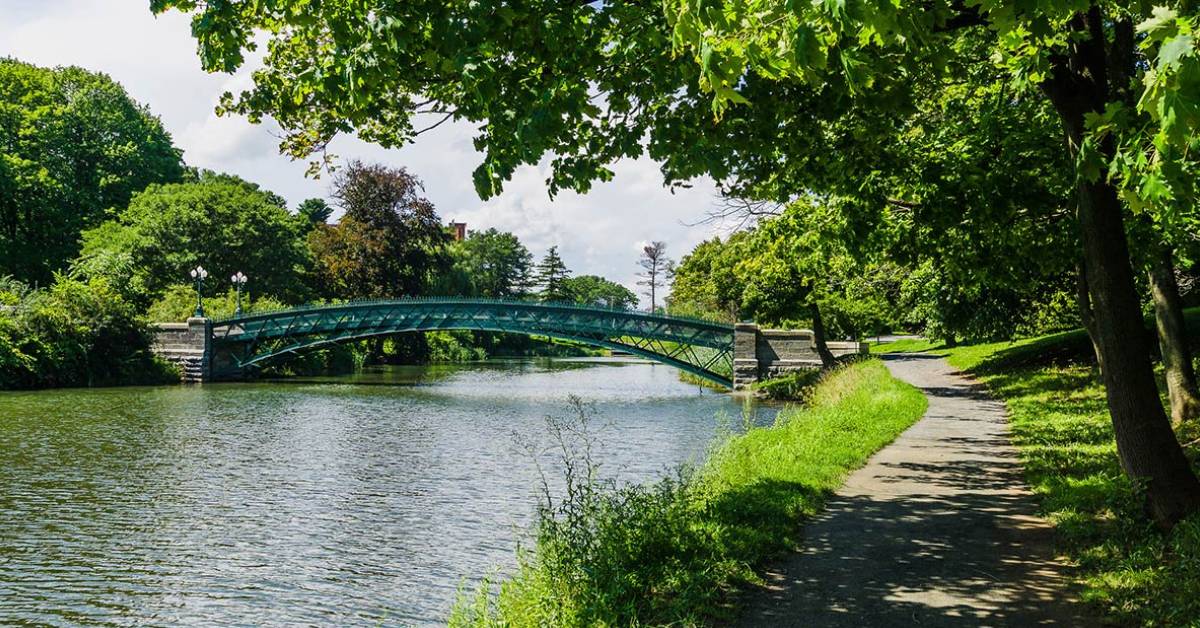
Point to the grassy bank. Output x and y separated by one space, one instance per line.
670 552
1132 572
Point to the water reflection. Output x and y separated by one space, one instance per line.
360 500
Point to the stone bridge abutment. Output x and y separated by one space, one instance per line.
187 346
764 353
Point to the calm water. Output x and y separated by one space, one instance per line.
362 500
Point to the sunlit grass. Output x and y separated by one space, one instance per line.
671 552
904 345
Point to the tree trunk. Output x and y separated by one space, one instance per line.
1147 446
1149 452
1172 338
1087 316
827 359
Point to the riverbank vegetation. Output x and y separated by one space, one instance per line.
673 551
74 333
1136 573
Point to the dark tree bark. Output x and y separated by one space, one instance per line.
1087 316
1172 338
827 359
1149 452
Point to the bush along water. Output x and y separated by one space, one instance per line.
74 333
672 551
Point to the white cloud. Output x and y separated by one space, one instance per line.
154 58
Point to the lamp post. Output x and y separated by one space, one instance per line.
199 275
239 280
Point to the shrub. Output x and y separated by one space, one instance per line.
75 333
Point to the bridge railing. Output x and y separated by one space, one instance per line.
300 309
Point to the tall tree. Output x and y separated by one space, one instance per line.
389 242
495 263
219 223
1126 105
654 264
1173 337
706 281
551 277
72 146
596 290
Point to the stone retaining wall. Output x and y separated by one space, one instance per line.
764 353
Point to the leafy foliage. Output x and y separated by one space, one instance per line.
74 333
72 145
494 264
178 303
596 290
219 223
389 241
706 280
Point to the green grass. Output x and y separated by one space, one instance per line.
671 552
1133 573
790 387
904 345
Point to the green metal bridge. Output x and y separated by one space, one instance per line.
703 348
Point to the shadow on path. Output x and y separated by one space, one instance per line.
938 529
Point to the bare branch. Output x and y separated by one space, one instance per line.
742 212
434 125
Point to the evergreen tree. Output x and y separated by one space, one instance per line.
551 277
315 211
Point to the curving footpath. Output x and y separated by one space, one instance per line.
938 529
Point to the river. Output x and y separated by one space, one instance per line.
357 500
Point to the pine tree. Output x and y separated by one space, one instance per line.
551 276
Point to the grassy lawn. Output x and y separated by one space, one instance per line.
672 551
1134 573
904 345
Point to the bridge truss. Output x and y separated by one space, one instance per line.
703 348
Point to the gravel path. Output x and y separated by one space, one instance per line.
938 529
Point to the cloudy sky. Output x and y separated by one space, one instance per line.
154 58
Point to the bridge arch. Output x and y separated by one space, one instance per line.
703 348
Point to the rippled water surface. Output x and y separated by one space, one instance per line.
362 500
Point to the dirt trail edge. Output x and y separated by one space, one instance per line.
938 529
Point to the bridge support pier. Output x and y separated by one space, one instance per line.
189 346
745 355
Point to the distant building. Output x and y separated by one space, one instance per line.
458 230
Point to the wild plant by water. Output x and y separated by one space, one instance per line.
672 551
